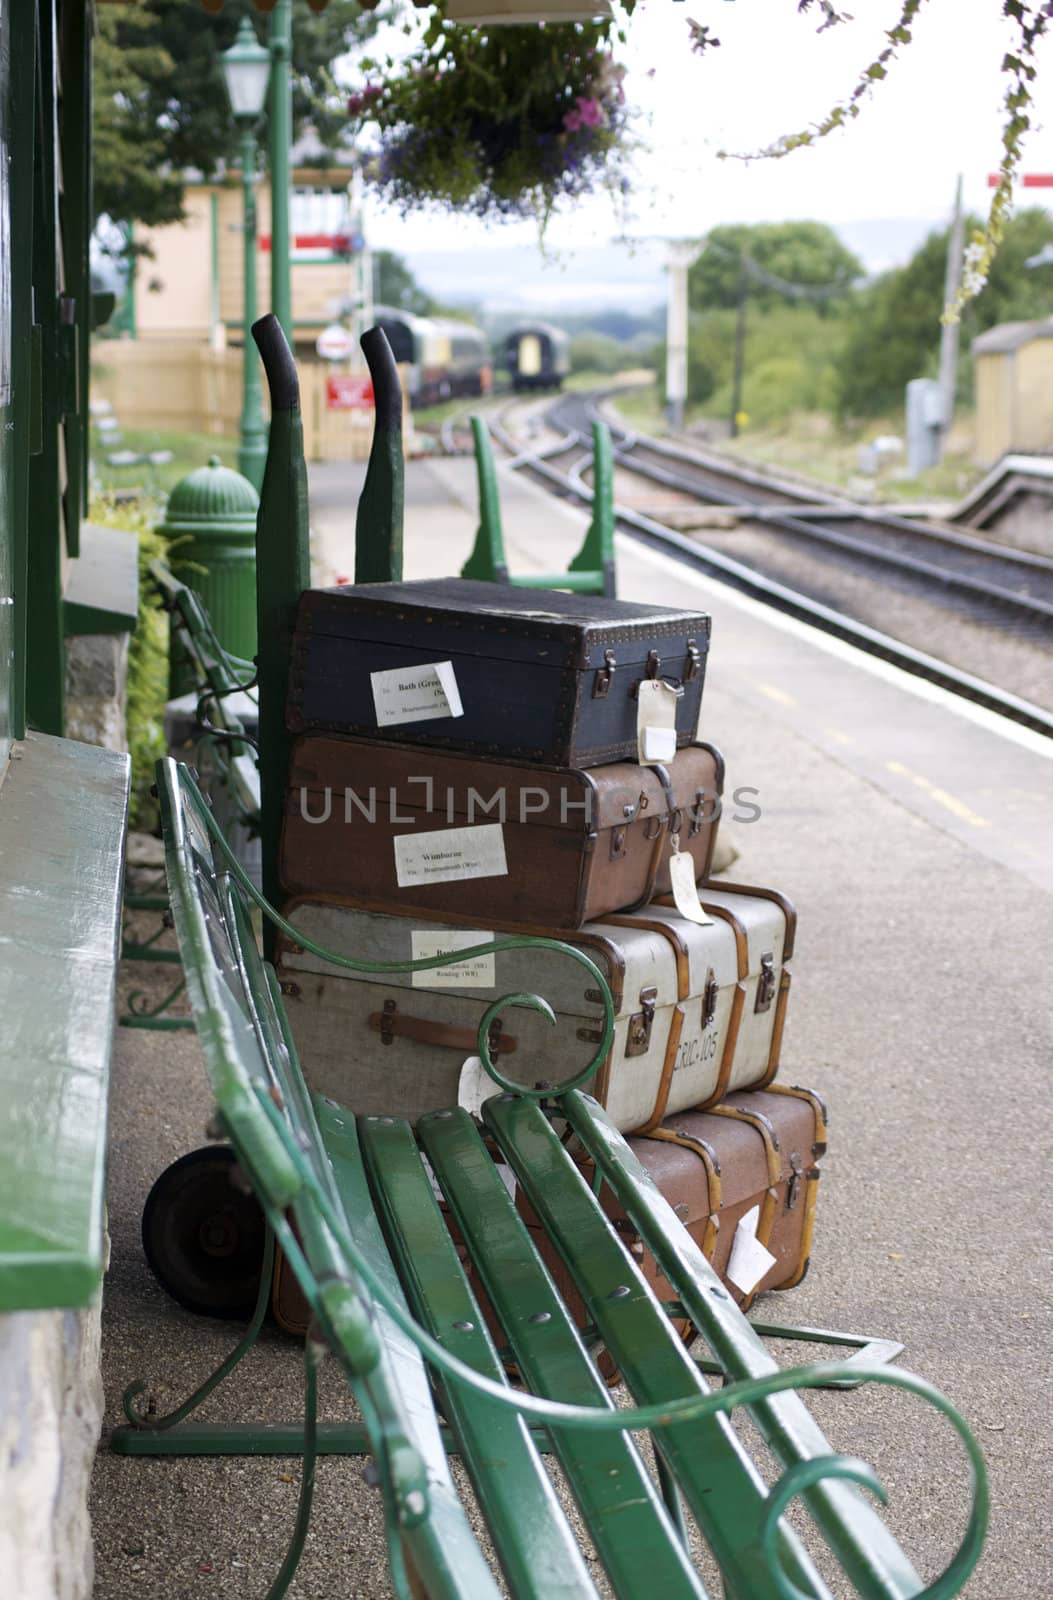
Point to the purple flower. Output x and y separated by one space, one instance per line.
591 112
572 121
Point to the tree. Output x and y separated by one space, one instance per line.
161 106
806 255
394 285
896 327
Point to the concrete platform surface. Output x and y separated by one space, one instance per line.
913 836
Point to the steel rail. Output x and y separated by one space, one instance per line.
791 602
1025 563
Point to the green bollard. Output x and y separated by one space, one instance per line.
212 515
487 561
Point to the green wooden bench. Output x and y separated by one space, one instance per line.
352 1204
63 809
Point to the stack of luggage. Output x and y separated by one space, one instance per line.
474 760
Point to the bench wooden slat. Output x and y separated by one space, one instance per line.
534 1542
850 1524
718 1480
625 1516
443 1548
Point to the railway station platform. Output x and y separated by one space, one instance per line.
912 832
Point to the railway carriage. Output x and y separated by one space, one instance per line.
441 356
538 356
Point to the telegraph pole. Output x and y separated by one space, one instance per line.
681 258
740 349
949 335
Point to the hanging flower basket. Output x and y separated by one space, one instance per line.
502 123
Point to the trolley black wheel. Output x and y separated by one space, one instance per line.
203 1238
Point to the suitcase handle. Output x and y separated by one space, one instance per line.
391 1023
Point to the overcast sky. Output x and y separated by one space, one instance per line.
883 181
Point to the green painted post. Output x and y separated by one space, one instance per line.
280 46
129 318
597 553
252 445
487 560
283 572
46 655
214 242
22 80
74 119
378 524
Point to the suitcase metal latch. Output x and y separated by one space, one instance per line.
766 983
601 684
709 999
693 664
638 1038
698 811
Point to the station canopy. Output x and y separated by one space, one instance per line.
478 11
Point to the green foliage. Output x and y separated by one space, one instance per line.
791 362
147 657
131 177
395 285
161 104
500 122
895 333
806 255
598 352
1030 18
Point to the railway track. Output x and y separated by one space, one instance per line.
1019 582
1013 587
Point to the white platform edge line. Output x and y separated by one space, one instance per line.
920 688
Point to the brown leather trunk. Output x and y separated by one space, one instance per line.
410 831
758 1148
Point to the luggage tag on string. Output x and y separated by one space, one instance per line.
656 700
656 743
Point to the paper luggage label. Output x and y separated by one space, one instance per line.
477 973
450 855
749 1260
416 694
685 890
656 721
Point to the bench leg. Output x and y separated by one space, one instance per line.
145 1434
140 1014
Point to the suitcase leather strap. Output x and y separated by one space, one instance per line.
672 1047
811 1195
669 934
818 1106
394 1023
705 1153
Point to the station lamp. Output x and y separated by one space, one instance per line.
246 72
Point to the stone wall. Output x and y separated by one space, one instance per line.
51 1406
96 689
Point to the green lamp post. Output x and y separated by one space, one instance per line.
280 40
246 71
